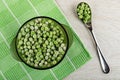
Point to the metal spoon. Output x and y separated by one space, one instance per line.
84 13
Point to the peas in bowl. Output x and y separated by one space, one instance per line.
41 42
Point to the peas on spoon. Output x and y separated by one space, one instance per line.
84 14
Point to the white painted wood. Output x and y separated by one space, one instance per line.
106 25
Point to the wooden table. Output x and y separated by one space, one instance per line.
106 25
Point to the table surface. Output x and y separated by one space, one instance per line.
106 27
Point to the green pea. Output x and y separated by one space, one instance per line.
20 42
31 51
19 35
34 36
46 57
36 27
46 29
49 21
40 64
28 43
36 65
47 54
28 47
46 63
48 50
59 58
81 16
41 56
31 23
54 62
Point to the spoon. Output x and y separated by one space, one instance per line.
84 14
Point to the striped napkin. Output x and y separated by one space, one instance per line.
13 13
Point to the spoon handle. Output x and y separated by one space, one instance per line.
104 65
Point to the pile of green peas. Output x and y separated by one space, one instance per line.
84 12
41 43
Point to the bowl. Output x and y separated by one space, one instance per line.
41 42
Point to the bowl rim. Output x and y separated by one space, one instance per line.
31 20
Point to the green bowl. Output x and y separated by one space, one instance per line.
42 42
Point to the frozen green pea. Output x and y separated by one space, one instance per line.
40 41
23 33
46 42
58 58
55 55
46 57
31 23
38 31
47 33
36 27
44 39
46 29
54 37
31 39
40 64
48 47
53 47
22 51
41 56
46 63
44 45
44 50
36 21
26 53
49 60
81 16
32 27
50 35
34 36
48 50
54 62
62 45
19 35
27 29
37 46
30 51
44 36
47 54
49 21
25 46
60 49
51 44
39 19
77 9
49 39
28 62
28 43
20 42
27 35
32 32
28 47
31 59
26 50
36 65
53 58
85 20
25 40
